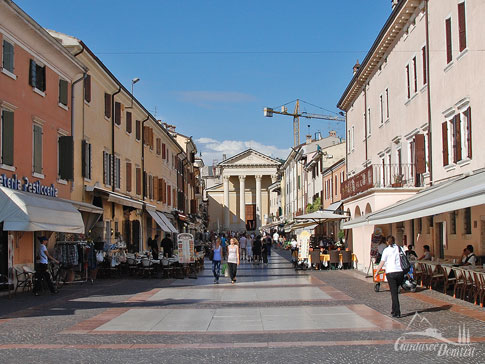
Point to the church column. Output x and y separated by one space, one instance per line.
226 203
242 200
258 201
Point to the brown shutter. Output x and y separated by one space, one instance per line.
169 196
128 177
138 130
469 131
420 154
87 88
138 181
444 136
155 188
449 48
462 25
163 151
129 126
107 105
457 127
117 113
160 190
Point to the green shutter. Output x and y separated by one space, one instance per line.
7 137
66 157
63 92
8 56
32 71
37 149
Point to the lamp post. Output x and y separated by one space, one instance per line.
133 81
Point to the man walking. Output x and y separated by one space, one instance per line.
42 273
167 245
242 245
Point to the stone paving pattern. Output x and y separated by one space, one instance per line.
89 323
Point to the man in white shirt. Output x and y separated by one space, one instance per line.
41 270
276 237
469 258
242 245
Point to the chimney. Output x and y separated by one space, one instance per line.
332 133
224 157
308 139
394 3
356 67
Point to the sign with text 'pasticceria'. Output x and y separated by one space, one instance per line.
25 185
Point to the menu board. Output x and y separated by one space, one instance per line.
186 251
304 244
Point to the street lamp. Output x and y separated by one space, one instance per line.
133 81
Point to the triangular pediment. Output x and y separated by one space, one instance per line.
250 157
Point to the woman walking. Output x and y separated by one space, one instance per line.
216 260
257 249
233 259
395 276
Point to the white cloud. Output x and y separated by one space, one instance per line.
214 149
209 99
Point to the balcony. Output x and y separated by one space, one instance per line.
382 176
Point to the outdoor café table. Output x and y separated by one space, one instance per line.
325 258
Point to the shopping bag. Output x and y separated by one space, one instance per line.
224 268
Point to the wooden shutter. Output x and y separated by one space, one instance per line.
169 196
32 70
444 137
469 131
129 126
155 188
37 149
163 151
425 66
457 132
138 181
66 158
138 130
160 190
128 176
159 146
420 153
408 81
117 113
63 92
462 25
145 134
86 159
117 172
145 182
105 168
8 56
87 88
449 47
7 137
415 72
107 105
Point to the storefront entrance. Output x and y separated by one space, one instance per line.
3 251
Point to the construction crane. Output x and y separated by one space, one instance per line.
268 112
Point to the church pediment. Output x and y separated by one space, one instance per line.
250 157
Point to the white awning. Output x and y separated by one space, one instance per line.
310 226
24 211
167 222
334 207
320 216
159 221
117 197
448 196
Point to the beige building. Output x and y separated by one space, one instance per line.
409 129
232 209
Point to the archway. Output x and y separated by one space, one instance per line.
368 209
357 212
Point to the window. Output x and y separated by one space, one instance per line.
381 108
456 138
86 159
163 150
449 47
468 220
150 187
335 186
169 195
159 146
408 80
65 157
117 113
107 105
425 65
37 149
415 72
87 88
128 177
138 130
8 56
107 165
462 26
63 92
453 222
7 137
117 172
352 137
468 124
138 180
387 103
444 143
37 76
129 126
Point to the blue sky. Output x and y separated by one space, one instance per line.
210 66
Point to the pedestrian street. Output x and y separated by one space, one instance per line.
271 314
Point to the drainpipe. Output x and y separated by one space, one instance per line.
365 120
113 182
430 149
140 247
85 74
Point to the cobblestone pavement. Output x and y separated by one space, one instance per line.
273 314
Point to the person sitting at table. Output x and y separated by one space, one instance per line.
427 253
410 253
380 249
468 257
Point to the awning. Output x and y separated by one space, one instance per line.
309 226
85 207
117 197
320 216
167 222
448 196
334 207
159 221
24 211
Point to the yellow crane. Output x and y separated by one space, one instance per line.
268 112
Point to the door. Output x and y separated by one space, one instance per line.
250 217
441 235
135 236
3 251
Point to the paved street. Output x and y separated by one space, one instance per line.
271 315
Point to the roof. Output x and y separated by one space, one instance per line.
248 151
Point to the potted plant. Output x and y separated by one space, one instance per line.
397 180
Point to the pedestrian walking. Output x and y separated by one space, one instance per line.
41 272
257 249
216 260
224 247
394 273
167 245
233 259
243 242
264 250
249 249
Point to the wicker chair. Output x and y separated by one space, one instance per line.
23 278
315 256
347 259
334 259
448 282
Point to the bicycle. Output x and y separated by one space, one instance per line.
58 273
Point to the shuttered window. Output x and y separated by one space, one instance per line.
468 114
117 113
37 150
155 188
462 26
66 157
456 138
128 176
449 47
150 187
163 150
420 153
37 76
425 65
87 88
138 130
145 182
129 124
444 141
117 172
107 105
160 191
63 92
138 181
7 137
415 73
107 168
408 81
8 56
86 159
169 196
159 147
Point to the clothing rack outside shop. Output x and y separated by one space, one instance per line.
78 259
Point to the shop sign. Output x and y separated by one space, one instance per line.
186 252
25 185
359 183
